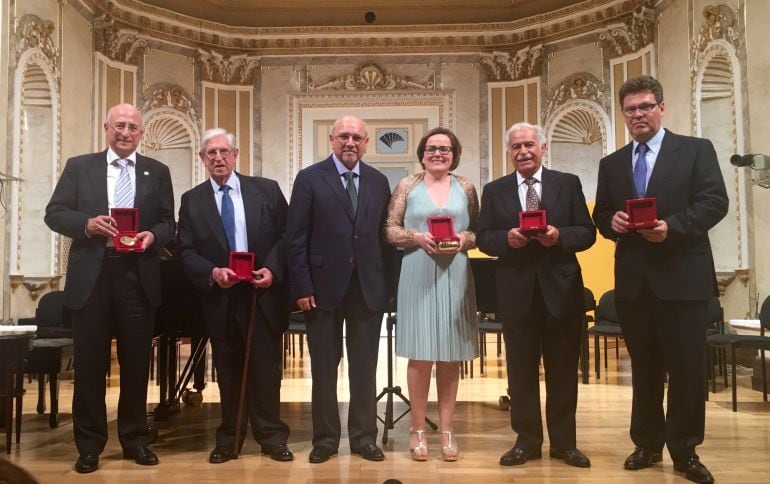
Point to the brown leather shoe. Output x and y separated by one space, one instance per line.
516 456
641 458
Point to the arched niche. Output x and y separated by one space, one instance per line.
579 135
173 138
35 160
718 115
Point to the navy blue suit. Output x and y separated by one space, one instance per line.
345 263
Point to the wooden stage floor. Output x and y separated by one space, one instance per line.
736 449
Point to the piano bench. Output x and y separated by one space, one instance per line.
49 357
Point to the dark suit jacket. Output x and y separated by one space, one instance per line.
326 243
691 198
203 246
81 193
554 269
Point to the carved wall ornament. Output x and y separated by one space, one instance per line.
636 32
165 94
577 126
719 22
370 77
118 43
522 64
36 33
227 69
577 86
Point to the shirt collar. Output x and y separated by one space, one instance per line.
653 144
537 176
232 182
344 169
112 156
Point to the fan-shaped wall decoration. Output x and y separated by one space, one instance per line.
578 126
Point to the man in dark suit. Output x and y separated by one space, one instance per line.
338 265
664 276
233 212
539 293
112 293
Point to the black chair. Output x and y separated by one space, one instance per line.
752 342
297 326
715 317
606 326
589 306
52 352
486 305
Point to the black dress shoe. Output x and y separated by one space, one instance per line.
321 453
516 456
693 470
280 453
572 457
642 457
369 452
221 455
141 455
87 463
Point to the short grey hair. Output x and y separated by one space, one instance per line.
518 127
214 133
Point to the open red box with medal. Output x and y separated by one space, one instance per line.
442 228
642 213
242 263
127 225
532 222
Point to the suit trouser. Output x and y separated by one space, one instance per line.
558 341
117 307
666 337
324 338
263 384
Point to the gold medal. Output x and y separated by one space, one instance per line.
128 240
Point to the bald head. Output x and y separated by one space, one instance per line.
123 128
349 139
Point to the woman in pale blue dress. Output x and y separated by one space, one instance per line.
436 298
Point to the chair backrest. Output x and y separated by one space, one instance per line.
605 310
764 315
51 311
484 280
715 315
589 301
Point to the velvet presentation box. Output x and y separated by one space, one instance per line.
642 213
127 224
242 263
532 222
442 228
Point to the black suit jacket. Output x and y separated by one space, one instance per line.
326 242
203 246
81 193
691 198
554 269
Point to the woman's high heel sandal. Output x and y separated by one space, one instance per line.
449 451
420 451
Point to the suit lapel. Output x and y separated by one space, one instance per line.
509 194
252 199
142 173
97 172
626 179
664 163
549 193
364 187
210 212
331 177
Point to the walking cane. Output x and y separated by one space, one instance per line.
244 374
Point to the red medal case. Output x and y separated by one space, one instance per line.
242 263
532 222
127 224
642 213
442 228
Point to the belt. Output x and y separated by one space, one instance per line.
112 253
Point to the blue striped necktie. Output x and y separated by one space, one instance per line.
228 216
124 191
640 171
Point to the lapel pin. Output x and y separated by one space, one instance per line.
146 172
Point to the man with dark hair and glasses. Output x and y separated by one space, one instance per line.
112 293
664 275
239 213
339 268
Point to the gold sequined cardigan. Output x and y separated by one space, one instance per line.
396 234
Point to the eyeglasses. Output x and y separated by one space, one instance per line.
344 137
642 108
444 150
213 152
120 127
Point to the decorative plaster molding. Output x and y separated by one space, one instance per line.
227 69
580 121
723 281
522 64
720 24
118 43
577 86
36 33
630 36
35 285
743 275
165 94
370 77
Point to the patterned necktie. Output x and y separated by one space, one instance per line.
640 171
124 191
533 201
228 216
351 188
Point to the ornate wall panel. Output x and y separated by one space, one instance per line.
115 83
622 69
231 107
509 103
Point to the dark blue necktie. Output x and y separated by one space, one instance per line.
228 216
640 171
